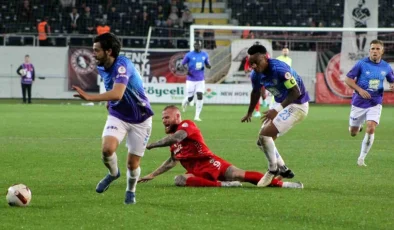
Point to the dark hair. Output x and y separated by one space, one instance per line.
170 107
109 41
254 49
27 55
376 41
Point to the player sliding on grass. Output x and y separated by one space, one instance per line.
291 106
204 169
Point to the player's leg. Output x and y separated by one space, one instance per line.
364 41
191 180
28 93
356 119
372 117
283 122
137 139
190 90
235 174
358 41
257 112
23 92
200 88
113 134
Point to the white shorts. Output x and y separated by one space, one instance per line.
137 134
359 115
192 87
289 116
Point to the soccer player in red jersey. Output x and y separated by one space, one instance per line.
204 169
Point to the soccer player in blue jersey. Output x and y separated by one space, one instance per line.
196 62
129 112
291 106
366 78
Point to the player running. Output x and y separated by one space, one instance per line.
204 169
195 61
129 112
291 106
366 78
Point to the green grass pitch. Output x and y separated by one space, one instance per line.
55 150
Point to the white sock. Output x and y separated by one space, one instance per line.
281 162
112 164
268 146
366 145
132 178
185 101
199 104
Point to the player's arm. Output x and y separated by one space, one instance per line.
293 90
352 84
178 136
167 165
207 62
17 71
184 63
390 79
33 73
254 96
113 95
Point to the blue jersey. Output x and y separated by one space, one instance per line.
275 79
196 62
370 77
134 106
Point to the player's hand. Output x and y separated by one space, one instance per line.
145 179
247 118
81 94
392 86
149 147
269 115
364 94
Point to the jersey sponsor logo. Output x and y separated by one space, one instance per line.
185 125
175 65
82 61
287 75
121 70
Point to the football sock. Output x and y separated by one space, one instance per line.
366 145
132 178
268 147
199 104
185 101
279 158
201 182
111 163
257 107
255 177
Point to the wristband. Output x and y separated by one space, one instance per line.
278 107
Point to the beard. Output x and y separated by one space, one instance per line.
171 128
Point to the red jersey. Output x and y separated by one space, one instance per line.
193 146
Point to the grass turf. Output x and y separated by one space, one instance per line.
55 150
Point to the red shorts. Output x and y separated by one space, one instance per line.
212 169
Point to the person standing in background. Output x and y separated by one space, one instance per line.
27 73
44 30
285 56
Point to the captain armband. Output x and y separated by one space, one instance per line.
290 83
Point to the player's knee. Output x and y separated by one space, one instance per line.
180 180
199 95
190 98
107 151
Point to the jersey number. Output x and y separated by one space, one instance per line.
285 114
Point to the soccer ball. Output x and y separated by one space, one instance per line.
22 72
18 195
